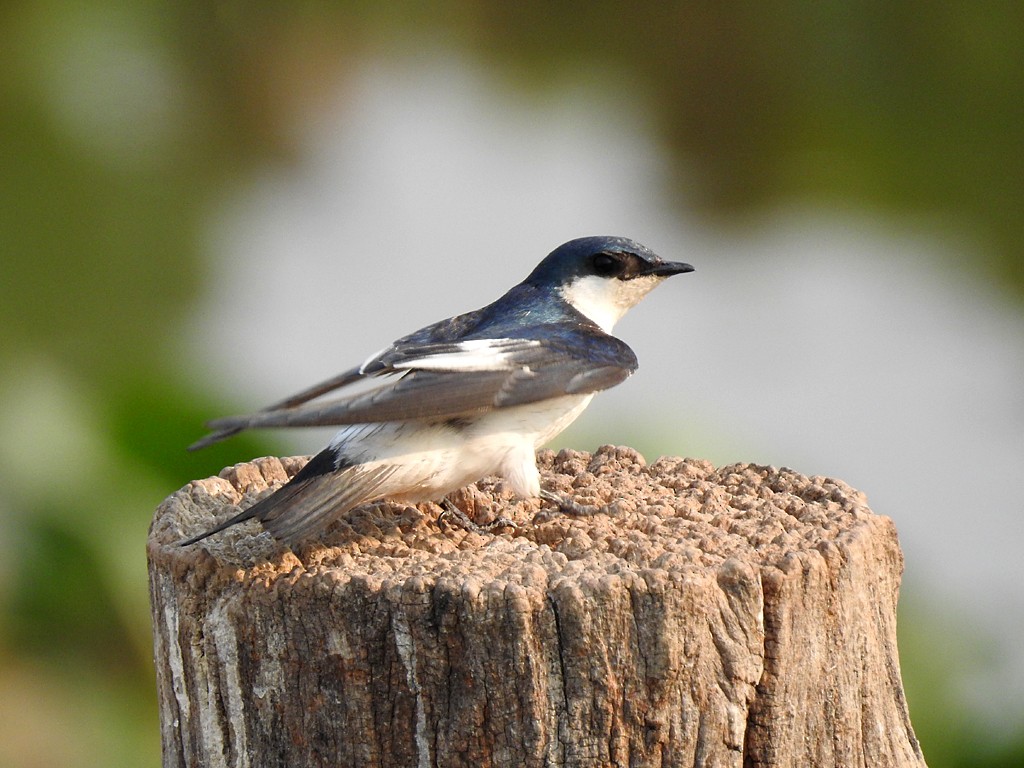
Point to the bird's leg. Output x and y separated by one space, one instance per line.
569 507
462 519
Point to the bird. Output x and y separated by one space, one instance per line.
472 396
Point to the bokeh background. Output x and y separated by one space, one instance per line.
208 205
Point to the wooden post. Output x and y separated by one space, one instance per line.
740 616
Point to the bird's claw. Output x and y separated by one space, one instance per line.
569 507
460 518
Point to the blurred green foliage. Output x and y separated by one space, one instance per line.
932 645
123 125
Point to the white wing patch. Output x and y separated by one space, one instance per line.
473 355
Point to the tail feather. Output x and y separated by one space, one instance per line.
323 501
246 514
308 504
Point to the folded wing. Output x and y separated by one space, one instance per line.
437 381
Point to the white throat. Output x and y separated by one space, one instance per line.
604 300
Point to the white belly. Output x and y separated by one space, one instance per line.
434 459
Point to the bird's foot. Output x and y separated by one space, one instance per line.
460 518
569 507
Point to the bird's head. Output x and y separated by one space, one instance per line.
603 277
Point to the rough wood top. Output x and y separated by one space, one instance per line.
673 514
742 615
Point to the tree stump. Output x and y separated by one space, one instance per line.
741 616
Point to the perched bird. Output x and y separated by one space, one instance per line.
464 398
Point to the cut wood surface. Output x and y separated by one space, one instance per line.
733 616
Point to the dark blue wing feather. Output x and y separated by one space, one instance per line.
567 361
561 353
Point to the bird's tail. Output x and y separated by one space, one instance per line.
308 504
241 517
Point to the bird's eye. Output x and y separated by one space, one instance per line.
607 265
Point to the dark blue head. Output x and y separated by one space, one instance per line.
603 277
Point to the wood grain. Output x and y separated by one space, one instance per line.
731 616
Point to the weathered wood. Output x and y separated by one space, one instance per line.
734 616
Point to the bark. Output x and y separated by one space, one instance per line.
735 616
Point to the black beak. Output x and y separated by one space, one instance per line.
666 268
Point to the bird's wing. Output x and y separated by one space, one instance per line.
437 381
337 382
